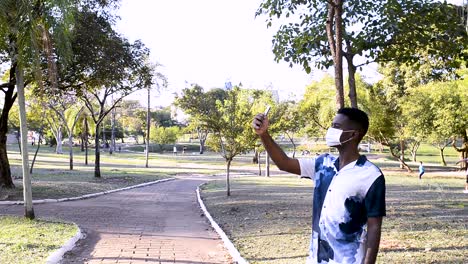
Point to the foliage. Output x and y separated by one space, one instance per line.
318 107
164 135
233 134
404 31
201 105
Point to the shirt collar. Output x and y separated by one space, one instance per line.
359 162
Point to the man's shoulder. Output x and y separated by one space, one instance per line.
325 157
371 169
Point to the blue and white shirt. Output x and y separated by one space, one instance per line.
343 200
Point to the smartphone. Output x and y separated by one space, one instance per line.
267 110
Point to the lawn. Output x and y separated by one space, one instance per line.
24 241
269 219
52 178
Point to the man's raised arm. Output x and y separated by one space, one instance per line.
260 125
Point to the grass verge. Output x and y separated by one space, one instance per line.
269 219
24 241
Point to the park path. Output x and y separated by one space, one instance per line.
160 223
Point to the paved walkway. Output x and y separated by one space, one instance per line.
161 223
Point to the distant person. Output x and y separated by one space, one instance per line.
184 148
421 170
349 193
174 150
466 167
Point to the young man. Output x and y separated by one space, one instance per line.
349 194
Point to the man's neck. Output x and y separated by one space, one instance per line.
346 156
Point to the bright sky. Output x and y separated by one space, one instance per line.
210 42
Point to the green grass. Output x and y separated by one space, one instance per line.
269 219
24 241
52 178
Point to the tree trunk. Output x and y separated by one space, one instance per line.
267 161
97 154
228 185
58 148
402 156
148 119
414 150
291 138
442 157
5 180
352 82
402 162
27 191
70 145
104 135
18 139
9 98
86 140
202 146
334 29
112 143
35 154
257 154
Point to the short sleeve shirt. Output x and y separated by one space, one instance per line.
343 200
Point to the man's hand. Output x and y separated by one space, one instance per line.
260 124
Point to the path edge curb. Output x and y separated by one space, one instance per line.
86 196
236 256
57 255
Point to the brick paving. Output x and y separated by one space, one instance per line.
161 223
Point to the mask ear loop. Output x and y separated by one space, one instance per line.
349 139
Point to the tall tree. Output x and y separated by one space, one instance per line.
27 28
372 31
114 67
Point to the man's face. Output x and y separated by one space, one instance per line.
350 129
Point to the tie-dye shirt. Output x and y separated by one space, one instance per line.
343 200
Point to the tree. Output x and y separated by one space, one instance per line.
202 109
27 29
376 31
68 113
291 121
318 107
232 133
164 135
114 67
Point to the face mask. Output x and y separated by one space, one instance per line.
333 137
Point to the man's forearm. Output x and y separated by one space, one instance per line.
276 153
373 241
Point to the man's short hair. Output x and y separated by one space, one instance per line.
357 116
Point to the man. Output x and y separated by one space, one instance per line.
349 194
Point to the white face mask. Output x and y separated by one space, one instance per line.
333 137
